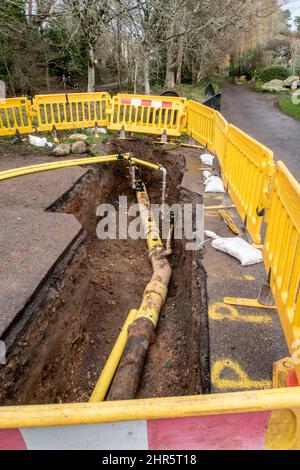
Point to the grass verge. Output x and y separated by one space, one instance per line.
288 107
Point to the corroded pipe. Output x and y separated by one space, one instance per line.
141 333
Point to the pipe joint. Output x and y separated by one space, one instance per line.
158 288
150 313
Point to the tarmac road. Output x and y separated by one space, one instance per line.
258 114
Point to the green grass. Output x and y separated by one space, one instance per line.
288 107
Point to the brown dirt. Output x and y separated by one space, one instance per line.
73 323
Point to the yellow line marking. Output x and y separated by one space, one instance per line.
240 381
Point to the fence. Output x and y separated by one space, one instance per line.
147 114
71 111
15 115
247 171
200 123
220 137
282 255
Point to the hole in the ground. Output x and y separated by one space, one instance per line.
75 319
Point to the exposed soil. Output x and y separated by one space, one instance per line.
73 323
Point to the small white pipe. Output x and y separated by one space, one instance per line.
133 175
164 190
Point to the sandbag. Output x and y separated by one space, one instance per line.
239 249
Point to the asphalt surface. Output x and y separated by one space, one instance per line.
32 240
244 342
258 114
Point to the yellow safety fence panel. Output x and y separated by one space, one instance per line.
15 115
200 123
248 169
220 136
282 255
71 111
148 114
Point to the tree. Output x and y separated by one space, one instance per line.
90 19
297 23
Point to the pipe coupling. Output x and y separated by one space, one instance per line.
158 288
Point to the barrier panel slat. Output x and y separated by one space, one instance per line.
282 255
200 123
248 170
71 111
148 114
220 136
15 115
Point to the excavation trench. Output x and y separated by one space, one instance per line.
61 342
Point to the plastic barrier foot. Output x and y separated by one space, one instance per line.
17 139
246 303
283 431
211 208
122 133
164 137
55 135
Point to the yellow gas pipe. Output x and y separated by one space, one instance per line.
154 296
112 362
27 170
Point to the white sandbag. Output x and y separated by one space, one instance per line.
206 175
214 184
210 234
239 249
37 141
207 159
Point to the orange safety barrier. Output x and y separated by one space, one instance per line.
148 114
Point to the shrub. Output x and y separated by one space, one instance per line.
259 85
276 72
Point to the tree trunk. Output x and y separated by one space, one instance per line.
180 48
119 54
47 72
171 63
146 74
179 68
136 71
91 70
170 75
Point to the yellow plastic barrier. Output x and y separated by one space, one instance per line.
15 115
71 111
282 255
148 114
220 136
200 123
248 169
